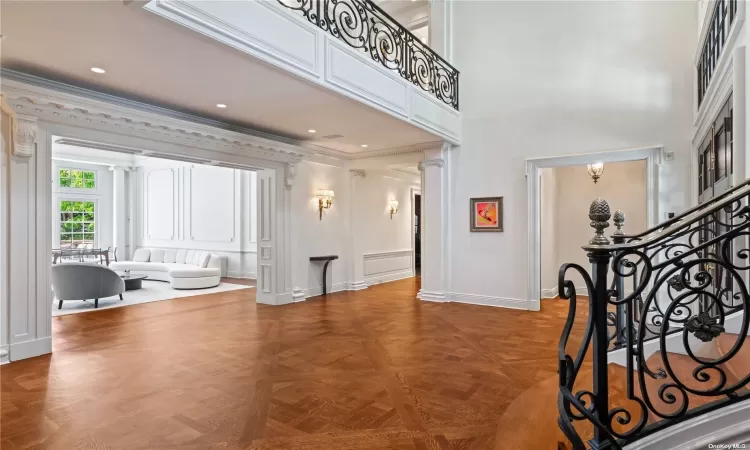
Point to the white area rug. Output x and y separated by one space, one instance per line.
152 291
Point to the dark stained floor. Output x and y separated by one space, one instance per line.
373 369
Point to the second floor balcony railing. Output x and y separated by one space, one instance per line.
364 26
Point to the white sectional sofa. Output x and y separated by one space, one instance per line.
183 269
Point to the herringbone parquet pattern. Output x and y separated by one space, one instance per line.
375 369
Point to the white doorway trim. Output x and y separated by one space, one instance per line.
117 125
414 193
652 155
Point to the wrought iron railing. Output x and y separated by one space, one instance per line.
674 288
363 25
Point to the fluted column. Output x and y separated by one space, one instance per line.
434 198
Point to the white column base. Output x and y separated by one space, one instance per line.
30 349
4 355
358 285
431 296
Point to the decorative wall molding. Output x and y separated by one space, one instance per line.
395 151
25 138
290 171
196 213
383 267
440 163
65 104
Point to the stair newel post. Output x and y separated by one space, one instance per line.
619 283
599 256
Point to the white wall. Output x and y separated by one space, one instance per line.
622 184
193 206
101 195
562 78
548 219
383 245
386 243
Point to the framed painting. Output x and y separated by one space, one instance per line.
486 214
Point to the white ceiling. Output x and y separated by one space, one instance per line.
413 14
150 59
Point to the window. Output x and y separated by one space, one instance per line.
77 223
720 24
77 179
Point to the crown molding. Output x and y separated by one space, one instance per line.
398 150
61 103
56 102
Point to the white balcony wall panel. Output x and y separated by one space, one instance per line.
272 33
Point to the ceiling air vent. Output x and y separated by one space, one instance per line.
333 136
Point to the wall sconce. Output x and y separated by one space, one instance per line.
596 170
325 200
394 207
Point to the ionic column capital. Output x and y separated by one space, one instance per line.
357 173
25 138
290 171
438 162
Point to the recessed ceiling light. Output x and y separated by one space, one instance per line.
311 131
221 105
97 70
363 145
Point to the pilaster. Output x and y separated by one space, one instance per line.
434 202
357 255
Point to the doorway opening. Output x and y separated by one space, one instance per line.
417 215
534 167
130 228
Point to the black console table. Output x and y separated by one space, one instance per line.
328 260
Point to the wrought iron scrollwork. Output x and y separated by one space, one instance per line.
674 290
364 26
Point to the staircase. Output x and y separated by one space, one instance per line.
665 339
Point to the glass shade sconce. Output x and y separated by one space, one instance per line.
393 205
325 200
596 170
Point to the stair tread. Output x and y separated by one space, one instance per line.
738 367
530 421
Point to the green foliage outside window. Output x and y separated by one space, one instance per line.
81 179
77 223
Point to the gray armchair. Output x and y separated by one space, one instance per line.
82 281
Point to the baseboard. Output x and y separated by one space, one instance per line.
358 285
487 300
243 275
549 293
431 296
318 290
30 349
388 276
4 355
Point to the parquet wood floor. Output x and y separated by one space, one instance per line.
373 369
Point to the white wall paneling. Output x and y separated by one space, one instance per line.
388 266
5 150
161 205
268 31
199 207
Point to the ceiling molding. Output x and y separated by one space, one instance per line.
398 150
56 102
61 103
